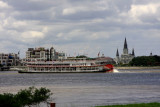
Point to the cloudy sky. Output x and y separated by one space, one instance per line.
80 26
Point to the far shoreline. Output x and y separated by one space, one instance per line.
136 67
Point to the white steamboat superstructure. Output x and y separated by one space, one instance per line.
68 66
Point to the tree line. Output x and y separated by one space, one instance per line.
145 61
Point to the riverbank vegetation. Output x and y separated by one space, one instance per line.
25 98
135 105
145 61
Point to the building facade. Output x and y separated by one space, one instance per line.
10 59
125 57
42 54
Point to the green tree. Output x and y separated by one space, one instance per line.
8 100
81 56
145 61
26 97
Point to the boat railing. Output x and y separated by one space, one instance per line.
59 62
43 66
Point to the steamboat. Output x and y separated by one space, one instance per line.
68 66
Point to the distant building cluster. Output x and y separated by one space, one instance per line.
42 54
125 57
32 54
10 59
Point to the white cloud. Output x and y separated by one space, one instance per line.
63 37
2 15
60 35
98 20
1 28
75 32
99 35
138 11
95 6
17 24
32 36
68 11
152 33
45 29
73 10
4 5
9 23
71 35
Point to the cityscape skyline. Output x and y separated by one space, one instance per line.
80 27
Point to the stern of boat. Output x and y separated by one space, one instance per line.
108 68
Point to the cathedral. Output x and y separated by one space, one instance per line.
125 58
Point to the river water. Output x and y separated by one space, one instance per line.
90 89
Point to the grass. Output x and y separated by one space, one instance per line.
135 105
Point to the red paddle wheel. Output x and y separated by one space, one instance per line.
108 68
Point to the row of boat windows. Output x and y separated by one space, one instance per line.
64 69
84 64
50 64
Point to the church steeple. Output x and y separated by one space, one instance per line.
151 54
117 57
133 52
125 49
125 44
117 54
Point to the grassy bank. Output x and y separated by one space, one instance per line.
135 105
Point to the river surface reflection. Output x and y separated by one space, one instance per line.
86 90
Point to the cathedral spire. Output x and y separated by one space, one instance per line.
125 44
117 57
125 49
151 54
117 54
133 52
